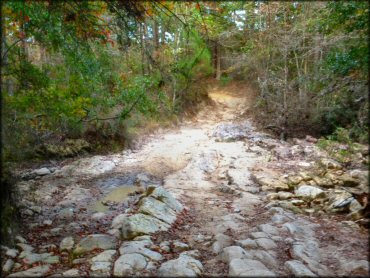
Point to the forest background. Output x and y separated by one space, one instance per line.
105 71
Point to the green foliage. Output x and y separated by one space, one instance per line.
341 135
67 78
340 145
349 18
224 80
310 62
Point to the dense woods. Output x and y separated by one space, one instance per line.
98 70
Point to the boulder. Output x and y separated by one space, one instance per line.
285 205
282 195
330 164
348 181
309 192
105 256
305 176
192 253
141 224
8 265
339 200
266 243
355 206
311 139
165 246
269 229
66 213
256 235
271 183
42 171
221 242
297 202
231 132
179 246
247 243
307 251
265 257
25 247
20 239
233 252
94 241
324 182
117 221
295 179
97 216
101 268
129 264
12 253
67 244
184 266
359 174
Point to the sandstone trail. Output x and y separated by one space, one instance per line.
212 197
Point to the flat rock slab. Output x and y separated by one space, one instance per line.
105 256
92 242
256 235
157 209
31 258
90 166
248 268
139 247
269 229
36 271
355 267
164 196
141 224
101 268
265 257
183 266
266 243
234 252
71 273
297 268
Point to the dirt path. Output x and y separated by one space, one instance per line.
208 165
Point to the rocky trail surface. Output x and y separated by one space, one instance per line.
212 197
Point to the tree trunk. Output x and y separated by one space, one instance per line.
163 33
156 35
4 55
218 62
141 34
145 37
